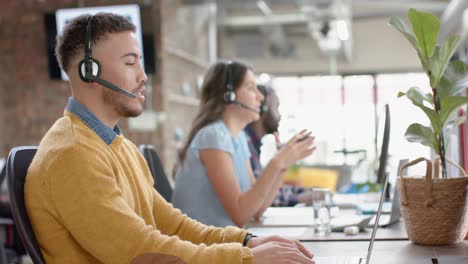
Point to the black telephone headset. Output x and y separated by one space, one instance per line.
229 95
89 68
264 90
88 65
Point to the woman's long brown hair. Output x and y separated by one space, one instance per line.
212 102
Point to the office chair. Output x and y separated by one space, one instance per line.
2 173
3 254
13 249
18 163
161 182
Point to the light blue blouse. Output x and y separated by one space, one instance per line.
194 194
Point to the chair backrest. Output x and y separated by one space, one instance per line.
18 163
3 258
2 173
161 182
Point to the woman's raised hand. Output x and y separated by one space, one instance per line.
298 147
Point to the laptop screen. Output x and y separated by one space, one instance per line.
376 223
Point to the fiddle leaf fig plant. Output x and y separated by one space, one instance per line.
447 79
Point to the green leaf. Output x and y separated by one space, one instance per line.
460 85
430 113
455 79
424 62
456 69
416 95
399 25
426 27
433 117
421 134
441 58
445 87
449 105
456 122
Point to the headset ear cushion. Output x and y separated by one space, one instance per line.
229 97
263 108
96 70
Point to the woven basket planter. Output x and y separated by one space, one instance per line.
434 209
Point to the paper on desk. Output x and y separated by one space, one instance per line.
290 232
286 221
349 200
286 217
291 211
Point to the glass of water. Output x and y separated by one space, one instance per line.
321 200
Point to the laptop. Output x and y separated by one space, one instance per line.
358 260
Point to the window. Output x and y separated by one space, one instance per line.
346 114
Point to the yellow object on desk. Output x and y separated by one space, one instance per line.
312 177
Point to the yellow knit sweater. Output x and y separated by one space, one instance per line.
90 202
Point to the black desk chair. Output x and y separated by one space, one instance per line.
3 254
12 250
18 163
161 182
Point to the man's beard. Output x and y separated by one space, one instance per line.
119 103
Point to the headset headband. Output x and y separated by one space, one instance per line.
229 85
88 51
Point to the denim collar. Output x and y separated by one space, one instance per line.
104 132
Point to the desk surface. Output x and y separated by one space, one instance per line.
386 252
303 232
396 231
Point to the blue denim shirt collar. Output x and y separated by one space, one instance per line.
104 132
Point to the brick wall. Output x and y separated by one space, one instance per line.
185 52
29 101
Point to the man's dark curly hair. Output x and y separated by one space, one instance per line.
72 40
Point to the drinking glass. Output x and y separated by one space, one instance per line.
321 200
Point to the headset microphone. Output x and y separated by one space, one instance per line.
258 111
90 68
109 85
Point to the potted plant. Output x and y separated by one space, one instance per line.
434 209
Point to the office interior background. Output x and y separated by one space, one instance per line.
333 63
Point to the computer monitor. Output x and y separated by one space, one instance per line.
384 148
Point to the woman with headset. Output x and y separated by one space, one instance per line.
215 183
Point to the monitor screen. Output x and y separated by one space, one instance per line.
383 158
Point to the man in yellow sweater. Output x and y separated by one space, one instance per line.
89 192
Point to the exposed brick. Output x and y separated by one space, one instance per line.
30 102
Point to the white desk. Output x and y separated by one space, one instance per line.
392 252
391 245
297 223
394 232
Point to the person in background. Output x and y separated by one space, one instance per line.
215 183
268 124
89 192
